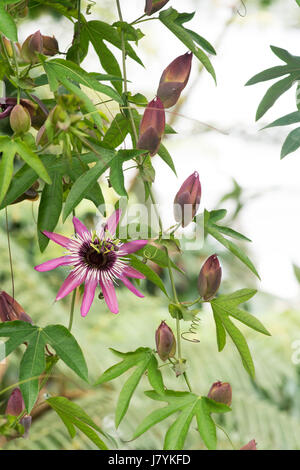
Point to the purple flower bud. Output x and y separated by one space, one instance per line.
38 44
250 446
209 279
174 79
165 341
187 200
221 392
152 127
20 120
15 404
154 5
11 310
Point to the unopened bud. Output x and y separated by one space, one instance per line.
250 446
38 44
15 404
209 279
50 46
165 341
154 5
8 46
174 79
31 194
187 200
152 127
11 310
20 121
221 392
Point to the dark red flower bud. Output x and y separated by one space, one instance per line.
11 310
209 279
187 200
165 341
152 127
20 120
15 404
250 446
154 5
221 392
174 79
38 44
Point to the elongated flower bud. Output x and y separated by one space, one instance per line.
20 121
152 127
174 79
209 279
31 194
15 404
11 310
165 341
221 392
187 200
250 446
154 5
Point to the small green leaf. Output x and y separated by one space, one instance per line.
166 157
291 143
31 159
148 272
270 74
6 167
286 120
116 175
7 24
206 425
49 209
176 434
272 95
154 375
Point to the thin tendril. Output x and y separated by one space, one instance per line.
9 255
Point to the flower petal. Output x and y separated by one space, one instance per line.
53 263
59 239
131 272
88 296
80 228
108 291
112 222
70 283
130 286
131 247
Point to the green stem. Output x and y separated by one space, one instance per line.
16 69
138 19
226 434
78 29
125 76
72 310
9 254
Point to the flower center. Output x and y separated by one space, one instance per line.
99 254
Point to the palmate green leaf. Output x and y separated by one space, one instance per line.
49 209
7 24
33 361
73 415
148 272
87 179
273 93
189 405
168 18
166 157
26 176
291 143
6 166
213 230
144 360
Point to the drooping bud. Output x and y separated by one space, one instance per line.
165 341
38 44
31 194
11 310
8 46
20 121
250 446
187 200
153 6
221 392
152 126
209 279
174 79
15 404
